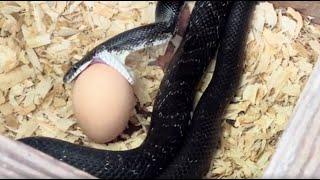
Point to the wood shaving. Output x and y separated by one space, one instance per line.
40 40
14 77
34 60
298 18
8 59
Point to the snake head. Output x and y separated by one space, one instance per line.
76 69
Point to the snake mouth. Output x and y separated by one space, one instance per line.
113 60
174 41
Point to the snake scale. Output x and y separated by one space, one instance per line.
180 141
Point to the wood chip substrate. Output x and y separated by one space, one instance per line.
39 41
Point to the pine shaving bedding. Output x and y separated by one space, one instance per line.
39 41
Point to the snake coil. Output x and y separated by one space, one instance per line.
178 144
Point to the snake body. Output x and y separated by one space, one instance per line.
179 144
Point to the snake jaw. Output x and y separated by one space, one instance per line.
110 57
116 61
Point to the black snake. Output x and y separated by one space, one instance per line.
180 141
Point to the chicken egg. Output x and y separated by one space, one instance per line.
103 101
